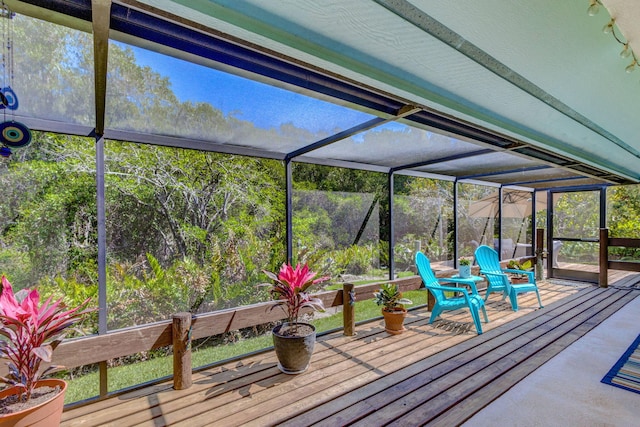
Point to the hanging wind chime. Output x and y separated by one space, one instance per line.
13 134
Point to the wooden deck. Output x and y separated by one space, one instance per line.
438 374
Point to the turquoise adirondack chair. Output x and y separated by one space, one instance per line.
498 280
472 301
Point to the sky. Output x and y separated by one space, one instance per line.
266 106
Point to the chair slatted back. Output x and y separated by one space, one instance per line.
487 259
426 274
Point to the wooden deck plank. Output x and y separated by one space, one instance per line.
224 374
185 402
351 376
439 367
426 404
481 397
119 411
345 366
394 355
303 403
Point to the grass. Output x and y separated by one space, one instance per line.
337 286
121 377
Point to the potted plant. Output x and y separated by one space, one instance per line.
294 340
464 267
32 331
390 297
516 265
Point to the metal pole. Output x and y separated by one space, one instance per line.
500 192
549 234
392 262
102 256
289 209
102 239
455 224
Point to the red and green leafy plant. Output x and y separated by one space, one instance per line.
289 288
33 331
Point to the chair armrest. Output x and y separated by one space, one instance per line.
493 273
469 282
499 275
447 288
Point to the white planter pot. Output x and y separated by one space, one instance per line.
464 271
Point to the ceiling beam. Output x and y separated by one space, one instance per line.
443 159
506 172
404 111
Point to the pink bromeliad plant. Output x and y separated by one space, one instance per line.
33 331
289 288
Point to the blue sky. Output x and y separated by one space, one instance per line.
264 105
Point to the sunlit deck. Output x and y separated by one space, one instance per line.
438 374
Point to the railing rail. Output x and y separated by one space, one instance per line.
605 264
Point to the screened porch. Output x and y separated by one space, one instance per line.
167 152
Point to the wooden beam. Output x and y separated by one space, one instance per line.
603 279
182 378
101 22
348 310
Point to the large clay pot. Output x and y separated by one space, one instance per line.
394 320
46 414
294 350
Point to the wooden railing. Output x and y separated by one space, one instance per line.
606 264
184 327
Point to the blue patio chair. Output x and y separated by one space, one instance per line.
498 280
470 300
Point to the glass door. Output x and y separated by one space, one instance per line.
574 220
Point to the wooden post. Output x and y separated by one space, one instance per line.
181 333
349 309
539 253
604 258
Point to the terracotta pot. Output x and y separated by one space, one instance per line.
46 414
518 280
394 320
294 351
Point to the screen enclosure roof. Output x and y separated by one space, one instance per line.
525 94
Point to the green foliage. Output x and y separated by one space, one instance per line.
390 297
515 265
624 212
352 260
73 293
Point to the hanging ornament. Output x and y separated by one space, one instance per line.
8 99
14 134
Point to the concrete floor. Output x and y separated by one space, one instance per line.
566 391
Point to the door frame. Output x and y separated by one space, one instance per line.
562 273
